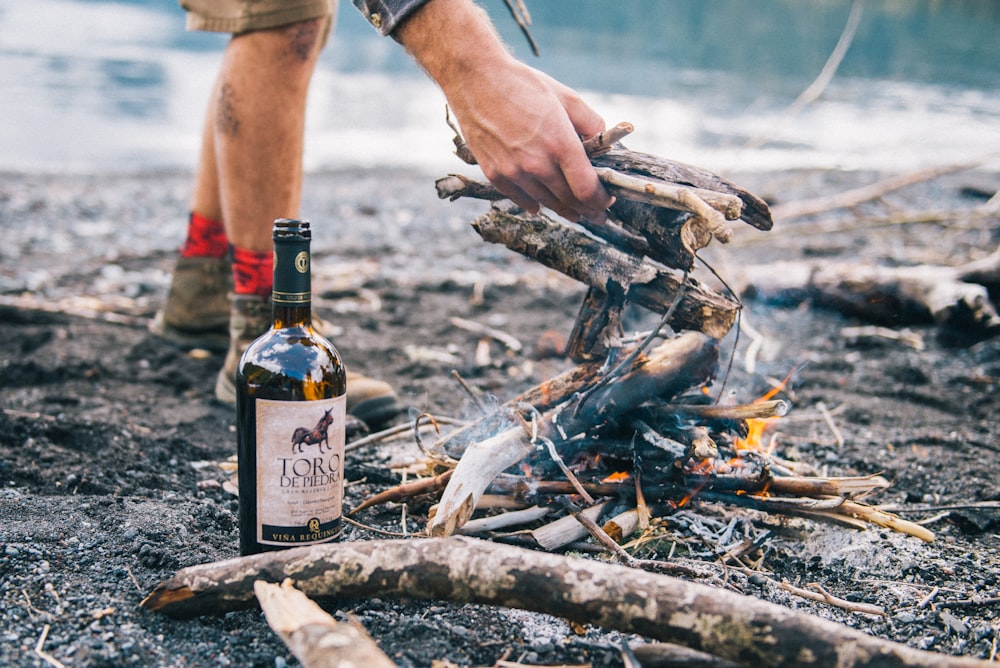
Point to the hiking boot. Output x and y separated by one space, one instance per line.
196 313
249 317
371 401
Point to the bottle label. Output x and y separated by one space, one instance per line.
300 470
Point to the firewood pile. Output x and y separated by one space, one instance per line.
631 434
618 451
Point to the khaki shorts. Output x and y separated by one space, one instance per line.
240 16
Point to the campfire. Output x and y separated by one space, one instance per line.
632 433
629 446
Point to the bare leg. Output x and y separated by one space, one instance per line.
250 170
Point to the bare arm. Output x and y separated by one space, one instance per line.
523 126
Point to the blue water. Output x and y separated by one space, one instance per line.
91 84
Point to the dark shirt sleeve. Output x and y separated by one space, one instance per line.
385 15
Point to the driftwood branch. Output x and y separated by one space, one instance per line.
315 638
596 264
755 211
889 295
715 207
603 142
739 628
858 196
480 464
519 12
712 207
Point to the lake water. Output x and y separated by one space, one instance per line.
92 85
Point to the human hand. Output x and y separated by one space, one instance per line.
525 130
524 127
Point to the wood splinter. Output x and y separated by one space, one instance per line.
315 638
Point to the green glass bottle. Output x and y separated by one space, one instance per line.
291 407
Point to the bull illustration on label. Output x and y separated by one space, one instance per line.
318 435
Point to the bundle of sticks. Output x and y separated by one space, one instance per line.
630 431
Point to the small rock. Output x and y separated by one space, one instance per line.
953 622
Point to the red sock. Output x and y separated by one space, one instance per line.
205 238
253 272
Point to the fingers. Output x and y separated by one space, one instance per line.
574 182
554 191
559 177
530 193
529 145
584 187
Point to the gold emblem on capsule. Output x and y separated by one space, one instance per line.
302 262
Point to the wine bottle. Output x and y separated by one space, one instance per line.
291 407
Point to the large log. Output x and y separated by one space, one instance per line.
599 265
740 628
881 294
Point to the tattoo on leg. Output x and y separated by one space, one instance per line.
302 38
226 120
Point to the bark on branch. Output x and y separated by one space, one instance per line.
597 265
889 295
742 629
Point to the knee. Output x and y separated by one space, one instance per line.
294 47
302 42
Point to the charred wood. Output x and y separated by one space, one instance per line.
676 365
600 316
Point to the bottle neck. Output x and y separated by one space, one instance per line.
292 292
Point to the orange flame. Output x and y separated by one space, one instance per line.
756 430
618 476
757 427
